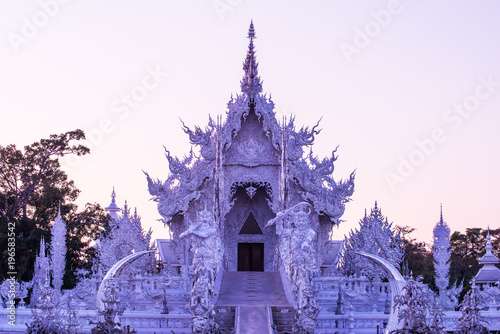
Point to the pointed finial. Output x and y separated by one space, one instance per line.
113 209
42 247
251 31
59 210
441 230
489 246
251 84
489 258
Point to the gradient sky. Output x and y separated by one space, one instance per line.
408 90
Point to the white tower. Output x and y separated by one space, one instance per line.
58 252
441 254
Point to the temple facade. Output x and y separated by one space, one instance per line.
250 168
250 211
268 202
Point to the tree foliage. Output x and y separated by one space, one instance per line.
32 188
83 228
466 251
30 181
417 258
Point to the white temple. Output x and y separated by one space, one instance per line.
489 274
250 211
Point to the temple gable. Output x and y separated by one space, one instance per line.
251 147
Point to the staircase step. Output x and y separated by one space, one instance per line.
251 288
252 319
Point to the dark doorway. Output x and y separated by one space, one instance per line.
251 226
250 257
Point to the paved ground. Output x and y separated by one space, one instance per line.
251 288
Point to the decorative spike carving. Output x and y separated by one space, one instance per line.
58 253
375 236
251 84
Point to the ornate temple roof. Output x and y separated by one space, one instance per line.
112 208
489 273
250 114
126 235
374 236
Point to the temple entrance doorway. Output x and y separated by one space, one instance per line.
250 257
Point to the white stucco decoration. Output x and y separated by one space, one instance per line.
396 281
116 271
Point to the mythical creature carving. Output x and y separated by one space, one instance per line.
318 186
207 255
298 253
45 317
238 109
295 140
203 139
182 186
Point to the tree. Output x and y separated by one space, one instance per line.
32 188
83 229
417 257
466 251
31 180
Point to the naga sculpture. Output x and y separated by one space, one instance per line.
206 249
297 251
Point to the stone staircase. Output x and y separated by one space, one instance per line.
224 317
259 300
283 318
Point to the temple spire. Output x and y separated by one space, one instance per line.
113 209
251 84
58 252
489 257
441 217
41 252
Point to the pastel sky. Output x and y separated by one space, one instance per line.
408 90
